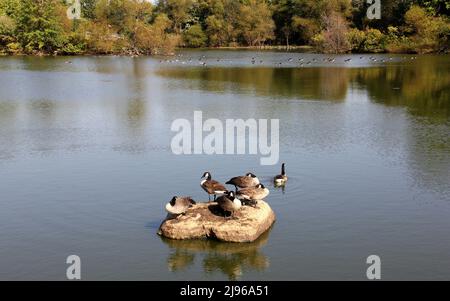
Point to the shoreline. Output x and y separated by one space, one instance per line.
292 48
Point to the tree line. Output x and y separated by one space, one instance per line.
142 27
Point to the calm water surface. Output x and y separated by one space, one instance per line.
86 165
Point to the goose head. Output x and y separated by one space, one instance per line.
206 175
249 174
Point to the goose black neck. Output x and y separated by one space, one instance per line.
283 172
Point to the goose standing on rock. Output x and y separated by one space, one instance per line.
249 180
281 179
251 195
229 203
212 186
179 205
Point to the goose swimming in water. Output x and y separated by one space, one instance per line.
253 194
249 180
282 178
229 203
211 186
179 205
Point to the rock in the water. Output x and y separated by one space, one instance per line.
206 220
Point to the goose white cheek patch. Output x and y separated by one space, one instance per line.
229 137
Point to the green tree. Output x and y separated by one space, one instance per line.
256 24
296 19
39 25
9 7
154 39
426 30
221 21
88 8
194 36
374 41
114 12
178 11
436 7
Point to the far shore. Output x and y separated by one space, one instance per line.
300 48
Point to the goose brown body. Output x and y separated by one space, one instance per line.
212 187
229 203
258 192
249 180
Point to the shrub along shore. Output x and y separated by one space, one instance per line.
138 27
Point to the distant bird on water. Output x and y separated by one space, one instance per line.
282 178
229 203
212 187
249 180
179 205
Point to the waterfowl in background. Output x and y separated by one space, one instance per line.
212 187
179 205
229 203
281 179
251 195
249 180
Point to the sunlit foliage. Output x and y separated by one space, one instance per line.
137 27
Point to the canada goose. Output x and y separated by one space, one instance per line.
179 205
282 178
229 203
253 194
211 186
249 180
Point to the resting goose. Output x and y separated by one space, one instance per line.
179 205
249 180
282 178
211 186
253 194
229 203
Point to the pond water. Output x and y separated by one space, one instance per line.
86 165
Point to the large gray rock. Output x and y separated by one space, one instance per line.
205 220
